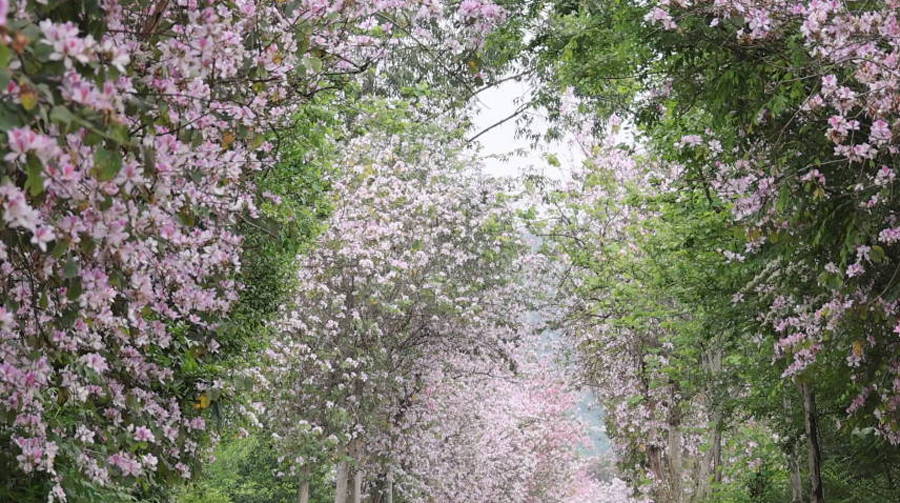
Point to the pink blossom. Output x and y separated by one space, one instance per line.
657 15
759 22
143 434
884 176
95 362
890 235
855 270
183 469
16 210
858 401
149 462
468 8
126 463
813 174
6 318
197 423
829 84
21 141
41 236
84 434
66 43
691 140
37 454
880 132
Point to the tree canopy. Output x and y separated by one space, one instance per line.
250 251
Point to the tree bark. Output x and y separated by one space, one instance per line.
716 453
389 491
356 489
817 494
710 471
793 458
340 483
796 479
673 448
674 461
656 465
303 496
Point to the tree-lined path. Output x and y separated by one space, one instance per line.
264 251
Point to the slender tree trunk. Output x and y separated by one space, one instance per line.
356 489
710 471
389 490
793 459
340 486
796 479
675 465
656 465
673 449
716 453
303 496
815 453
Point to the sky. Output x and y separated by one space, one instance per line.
495 104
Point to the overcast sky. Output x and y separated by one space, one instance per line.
498 103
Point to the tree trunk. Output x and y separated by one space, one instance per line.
673 448
710 471
356 489
389 490
674 458
815 453
793 458
303 496
796 479
655 463
716 453
340 483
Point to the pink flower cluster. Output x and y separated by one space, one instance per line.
854 99
122 192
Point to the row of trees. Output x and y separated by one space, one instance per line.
259 219
406 364
730 247
255 223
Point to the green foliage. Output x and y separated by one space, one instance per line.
283 229
666 274
246 470
293 202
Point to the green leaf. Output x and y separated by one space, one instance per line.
830 280
35 176
70 269
8 118
107 164
74 288
68 318
119 134
60 248
877 254
5 56
189 363
314 64
61 115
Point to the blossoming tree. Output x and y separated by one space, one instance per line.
133 131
